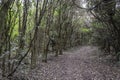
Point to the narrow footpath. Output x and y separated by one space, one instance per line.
81 63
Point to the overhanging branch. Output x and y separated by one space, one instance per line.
86 8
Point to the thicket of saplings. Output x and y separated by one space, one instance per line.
106 27
31 30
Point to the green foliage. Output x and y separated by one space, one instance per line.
15 31
85 30
56 13
97 25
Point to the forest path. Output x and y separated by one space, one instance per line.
82 63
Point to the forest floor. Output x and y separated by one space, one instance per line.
80 63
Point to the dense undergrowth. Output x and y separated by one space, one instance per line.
32 29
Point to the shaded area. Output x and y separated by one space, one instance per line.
82 63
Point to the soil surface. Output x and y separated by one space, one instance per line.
81 63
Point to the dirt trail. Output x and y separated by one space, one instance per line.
83 63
